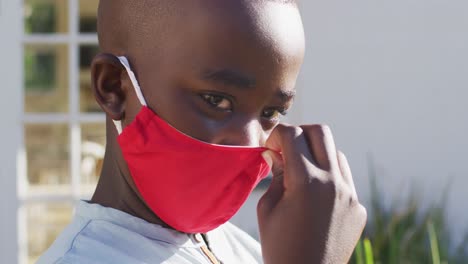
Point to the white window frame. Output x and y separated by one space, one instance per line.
13 181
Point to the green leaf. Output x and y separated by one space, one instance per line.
368 251
434 244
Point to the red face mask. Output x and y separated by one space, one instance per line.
193 186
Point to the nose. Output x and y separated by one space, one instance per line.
242 133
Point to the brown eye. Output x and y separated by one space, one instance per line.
218 101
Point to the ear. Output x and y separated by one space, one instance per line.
110 94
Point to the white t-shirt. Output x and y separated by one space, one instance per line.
102 235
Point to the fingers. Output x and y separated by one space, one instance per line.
289 140
296 156
307 151
321 143
275 160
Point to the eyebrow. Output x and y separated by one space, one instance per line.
229 77
235 78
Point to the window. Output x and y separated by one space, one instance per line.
63 130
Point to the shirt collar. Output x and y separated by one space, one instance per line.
153 231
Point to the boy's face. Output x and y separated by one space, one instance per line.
226 70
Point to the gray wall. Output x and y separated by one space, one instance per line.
390 78
11 79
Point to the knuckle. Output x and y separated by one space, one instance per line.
288 131
317 129
362 212
325 128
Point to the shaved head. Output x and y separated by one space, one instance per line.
123 25
122 22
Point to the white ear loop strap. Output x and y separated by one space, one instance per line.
133 79
123 60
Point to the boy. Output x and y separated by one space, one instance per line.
193 92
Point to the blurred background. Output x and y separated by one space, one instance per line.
389 77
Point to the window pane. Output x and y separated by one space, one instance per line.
45 16
93 141
88 16
46 78
87 102
47 152
44 222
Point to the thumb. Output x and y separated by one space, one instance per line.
275 160
276 189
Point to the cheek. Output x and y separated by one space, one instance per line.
268 132
181 109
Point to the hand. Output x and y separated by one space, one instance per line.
311 212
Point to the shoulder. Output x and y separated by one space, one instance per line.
64 241
98 242
102 235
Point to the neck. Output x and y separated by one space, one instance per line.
117 190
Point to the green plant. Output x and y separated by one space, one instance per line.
397 235
39 70
363 252
41 18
